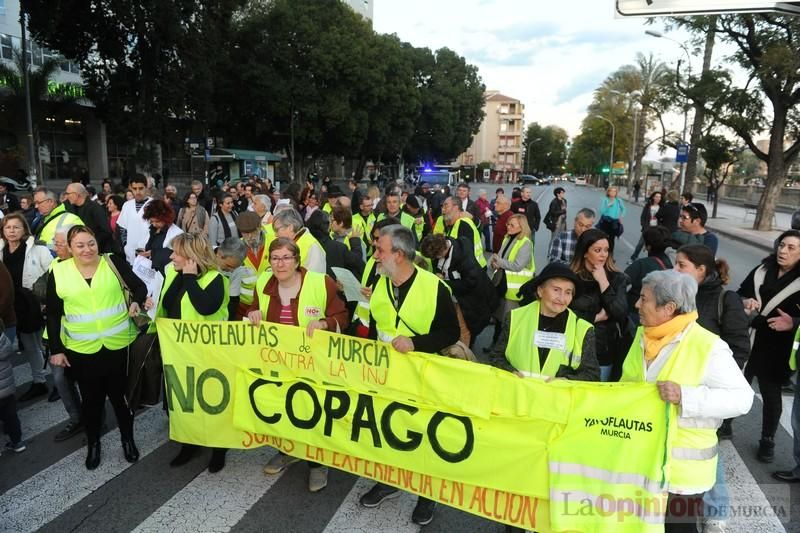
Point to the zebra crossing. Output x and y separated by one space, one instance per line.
47 487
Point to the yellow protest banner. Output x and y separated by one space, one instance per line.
552 456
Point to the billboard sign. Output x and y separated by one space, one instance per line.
654 8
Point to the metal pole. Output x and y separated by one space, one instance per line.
683 140
26 89
291 128
633 144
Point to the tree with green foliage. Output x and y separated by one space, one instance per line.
452 97
765 47
44 101
145 63
545 149
297 79
720 155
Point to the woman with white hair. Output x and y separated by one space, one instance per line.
262 206
694 370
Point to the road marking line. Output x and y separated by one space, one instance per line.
44 496
392 515
216 502
750 507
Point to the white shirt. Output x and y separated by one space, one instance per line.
137 227
722 393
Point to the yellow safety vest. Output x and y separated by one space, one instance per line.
694 446
305 243
188 312
313 297
366 225
515 280
95 316
54 222
327 207
438 226
523 354
405 219
415 315
793 355
476 238
249 280
362 308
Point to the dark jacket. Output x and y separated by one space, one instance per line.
644 218
7 314
471 286
95 217
769 357
590 301
530 209
636 272
9 203
721 312
337 255
474 210
668 214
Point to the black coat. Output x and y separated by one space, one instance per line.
337 255
636 272
95 217
471 286
725 316
531 211
668 214
769 357
608 333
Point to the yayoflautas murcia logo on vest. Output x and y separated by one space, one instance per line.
619 427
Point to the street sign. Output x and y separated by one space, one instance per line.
652 8
207 155
682 155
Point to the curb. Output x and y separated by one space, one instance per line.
727 233
737 237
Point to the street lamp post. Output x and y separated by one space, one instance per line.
613 136
659 35
32 179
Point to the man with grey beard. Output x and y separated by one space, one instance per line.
401 313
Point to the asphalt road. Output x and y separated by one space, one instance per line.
47 487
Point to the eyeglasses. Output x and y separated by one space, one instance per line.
685 217
281 259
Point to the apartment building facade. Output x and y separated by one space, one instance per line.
499 139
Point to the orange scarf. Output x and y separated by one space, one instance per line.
656 337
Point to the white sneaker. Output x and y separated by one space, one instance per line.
279 463
317 478
714 526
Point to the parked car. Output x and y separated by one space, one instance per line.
580 180
530 179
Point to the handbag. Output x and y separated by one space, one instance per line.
139 320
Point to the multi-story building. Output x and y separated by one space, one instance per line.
499 140
362 7
69 140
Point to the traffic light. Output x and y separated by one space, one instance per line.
605 170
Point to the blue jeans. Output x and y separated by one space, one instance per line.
796 429
717 501
605 372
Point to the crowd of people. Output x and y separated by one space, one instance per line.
437 269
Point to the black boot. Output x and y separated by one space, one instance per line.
217 462
725 431
130 451
93 455
766 449
184 456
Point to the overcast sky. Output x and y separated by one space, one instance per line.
550 55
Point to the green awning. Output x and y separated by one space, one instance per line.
252 155
239 154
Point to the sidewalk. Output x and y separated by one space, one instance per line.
731 222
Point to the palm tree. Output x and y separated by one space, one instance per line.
44 102
649 78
